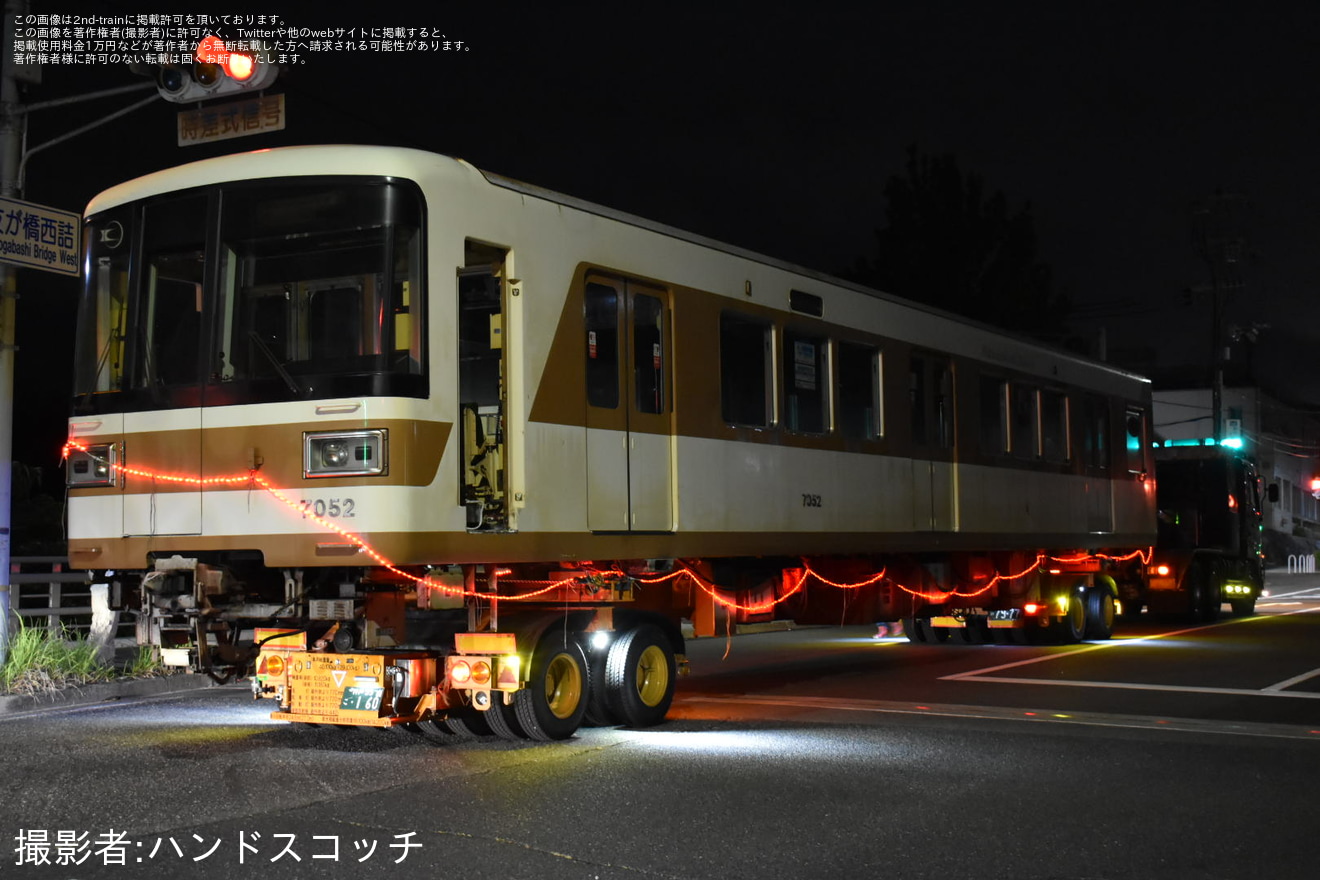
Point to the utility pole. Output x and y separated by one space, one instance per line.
1219 240
13 159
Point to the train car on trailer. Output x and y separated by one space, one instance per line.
417 444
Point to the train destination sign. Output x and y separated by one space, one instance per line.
39 237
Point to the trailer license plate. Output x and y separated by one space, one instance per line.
1005 614
358 698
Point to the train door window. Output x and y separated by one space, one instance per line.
746 370
1054 445
860 415
648 319
171 306
1095 434
1023 437
1136 444
806 383
994 416
602 317
930 390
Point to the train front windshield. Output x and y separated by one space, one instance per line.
253 292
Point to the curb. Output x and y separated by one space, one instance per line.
104 692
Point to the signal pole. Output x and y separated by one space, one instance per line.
1221 245
13 134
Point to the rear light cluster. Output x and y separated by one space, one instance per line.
464 672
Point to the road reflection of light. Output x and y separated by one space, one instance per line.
803 744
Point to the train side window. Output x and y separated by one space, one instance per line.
805 383
860 414
1136 440
1054 446
994 416
602 317
1023 439
746 373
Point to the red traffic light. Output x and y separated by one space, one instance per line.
218 70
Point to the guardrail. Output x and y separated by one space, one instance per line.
44 592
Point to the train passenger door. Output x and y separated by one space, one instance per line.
167 357
629 387
934 469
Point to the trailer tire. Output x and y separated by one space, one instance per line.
910 630
640 674
1243 607
598 707
461 725
1071 628
554 701
1099 613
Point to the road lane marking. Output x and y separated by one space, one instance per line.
951 710
1296 679
1139 686
1275 690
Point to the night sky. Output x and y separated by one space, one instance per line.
775 129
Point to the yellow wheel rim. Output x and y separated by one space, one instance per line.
652 675
563 686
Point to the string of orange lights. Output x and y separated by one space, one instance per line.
254 479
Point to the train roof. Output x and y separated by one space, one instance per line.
302 161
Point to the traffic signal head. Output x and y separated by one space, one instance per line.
217 70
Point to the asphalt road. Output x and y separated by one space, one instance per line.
1172 752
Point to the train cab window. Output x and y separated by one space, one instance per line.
860 415
994 416
1135 447
1054 445
1022 438
602 314
806 383
169 348
746 370
648 330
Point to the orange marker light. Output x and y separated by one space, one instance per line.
460 672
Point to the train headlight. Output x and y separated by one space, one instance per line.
345 453
95 467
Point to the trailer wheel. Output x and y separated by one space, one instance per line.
598 707
461 725
1099 613
640 674
555 699
1071 628
503 720
1244 607
910 630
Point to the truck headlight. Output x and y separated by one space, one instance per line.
345 453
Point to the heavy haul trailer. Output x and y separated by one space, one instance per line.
1211 548
410 443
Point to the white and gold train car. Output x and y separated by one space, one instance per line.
384 409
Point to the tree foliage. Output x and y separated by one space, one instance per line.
949 244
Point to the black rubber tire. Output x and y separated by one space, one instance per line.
598 709
640 675
503 720
933 635
974 633
1243 607
1071 628
912 631
1099 613
554 701
461 725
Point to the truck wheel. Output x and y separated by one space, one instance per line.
912 631
461 725
1071 628
1099 614
598 708
640 674
1244 607
503 720
555 699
